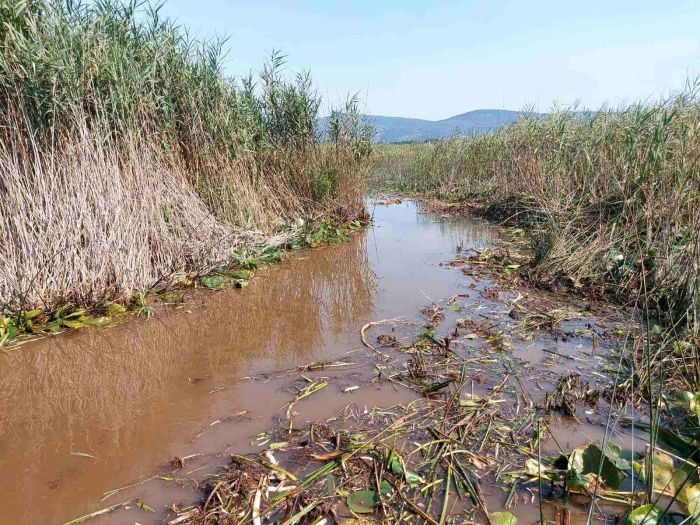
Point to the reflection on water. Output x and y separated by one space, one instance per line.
114 374
133 396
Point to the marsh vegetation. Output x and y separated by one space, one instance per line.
132 168
128 158
609 203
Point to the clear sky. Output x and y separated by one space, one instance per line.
433 59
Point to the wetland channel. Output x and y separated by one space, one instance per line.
96 409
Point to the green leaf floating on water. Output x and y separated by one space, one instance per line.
690 496
614 453
502 518
363 501
587 460
644 515
212 282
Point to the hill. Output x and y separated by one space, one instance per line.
400 129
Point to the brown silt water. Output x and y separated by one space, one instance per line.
87 412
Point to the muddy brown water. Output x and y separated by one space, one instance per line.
87 412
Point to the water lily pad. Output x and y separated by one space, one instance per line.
645 515
363 501
502 518
213 282
587 460
615 454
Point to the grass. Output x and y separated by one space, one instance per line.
128 156
613 198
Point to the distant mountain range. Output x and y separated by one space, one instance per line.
399 129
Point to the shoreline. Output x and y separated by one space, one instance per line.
19 327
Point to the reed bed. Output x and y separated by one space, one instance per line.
612 198
128 156
610 203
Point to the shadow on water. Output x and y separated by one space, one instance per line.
86 412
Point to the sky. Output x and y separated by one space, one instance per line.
434 59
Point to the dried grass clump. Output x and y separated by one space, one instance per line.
91 221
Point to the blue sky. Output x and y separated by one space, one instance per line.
434 59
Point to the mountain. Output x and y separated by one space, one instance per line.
400 129
397 129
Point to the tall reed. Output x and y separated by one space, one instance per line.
127 155
613 196
611 201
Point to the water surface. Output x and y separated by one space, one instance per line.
86 412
